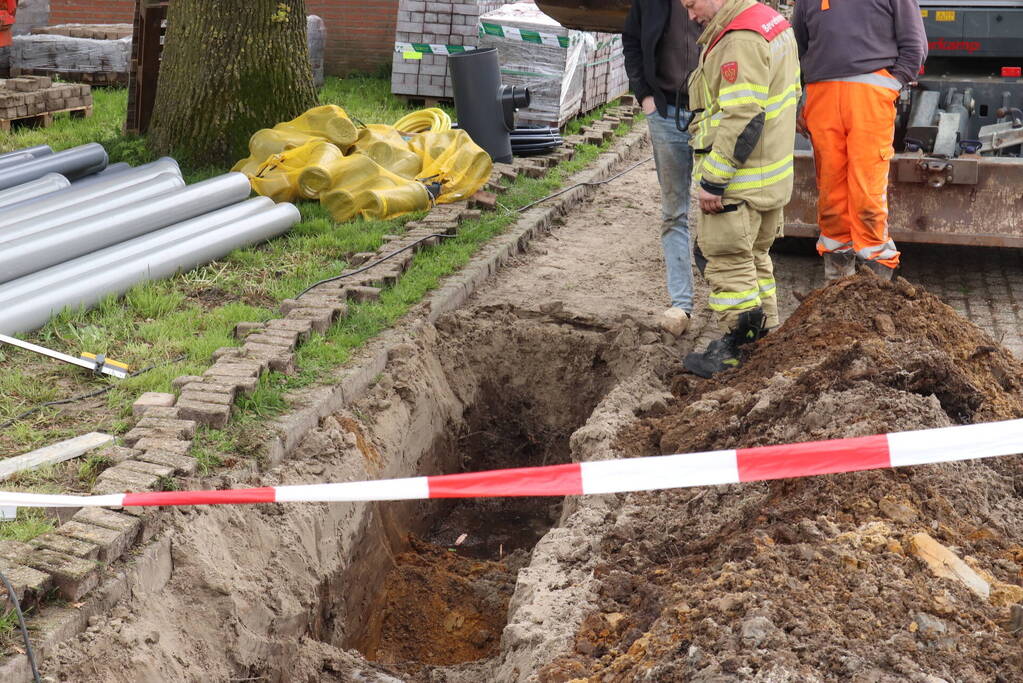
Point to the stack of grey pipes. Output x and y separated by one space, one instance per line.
74 230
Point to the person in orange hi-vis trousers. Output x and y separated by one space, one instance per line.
856 56
7 10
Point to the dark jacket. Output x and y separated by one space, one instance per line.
644 27
854 38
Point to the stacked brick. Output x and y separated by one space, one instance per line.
91 31
436 24
604 77
567 72
98 54
38 96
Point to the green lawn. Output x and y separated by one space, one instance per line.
193 314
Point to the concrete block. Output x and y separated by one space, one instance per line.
112 543
181 429
363 294
214 415
179 382
118 480
285 341
179 446
245 385
162 413
181 464
72 576
220 398
302 327
235 369
320 319
62 543
151 399
30 585
149 468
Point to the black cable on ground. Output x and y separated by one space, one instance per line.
365 268
91 394
12 596
587 184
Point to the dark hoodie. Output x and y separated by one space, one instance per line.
854 37
644 37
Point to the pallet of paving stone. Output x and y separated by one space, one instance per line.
34 100
537 52
426 33
604 77
91 31
70 57
98 78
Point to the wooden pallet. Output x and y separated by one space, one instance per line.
45 119
99 78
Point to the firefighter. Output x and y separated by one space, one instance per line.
746 90
7 11
856 57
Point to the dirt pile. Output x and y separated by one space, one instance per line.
815 579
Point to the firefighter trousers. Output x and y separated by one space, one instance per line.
852 127
739 270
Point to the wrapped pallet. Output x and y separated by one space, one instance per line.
426 33
604 77
68 57
537 52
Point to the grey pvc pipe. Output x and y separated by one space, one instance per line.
71 163
107 173
38 249
115 256
48 184
9 160
97 185
38 151
30 312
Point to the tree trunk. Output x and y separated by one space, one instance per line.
229 68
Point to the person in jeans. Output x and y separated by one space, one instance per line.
660 46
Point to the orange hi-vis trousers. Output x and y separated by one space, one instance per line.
851 122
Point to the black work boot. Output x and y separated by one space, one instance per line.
723 354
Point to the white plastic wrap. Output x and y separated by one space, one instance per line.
316 37
552 69
70 55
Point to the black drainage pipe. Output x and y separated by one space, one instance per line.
485 108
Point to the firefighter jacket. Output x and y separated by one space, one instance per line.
745 93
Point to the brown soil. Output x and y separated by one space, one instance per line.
810 579
439 608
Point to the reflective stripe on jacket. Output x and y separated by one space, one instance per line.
747 86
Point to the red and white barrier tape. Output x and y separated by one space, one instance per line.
609 476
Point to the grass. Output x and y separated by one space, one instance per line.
177 323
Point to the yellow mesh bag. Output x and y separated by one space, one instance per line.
329 121
454 160
267 142
366 188
385 145
278 177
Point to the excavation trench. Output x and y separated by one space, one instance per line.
427 584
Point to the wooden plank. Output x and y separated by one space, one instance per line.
53 454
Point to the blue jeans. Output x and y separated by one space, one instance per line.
674 160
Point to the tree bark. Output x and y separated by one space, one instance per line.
229 68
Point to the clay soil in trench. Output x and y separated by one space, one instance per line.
815 579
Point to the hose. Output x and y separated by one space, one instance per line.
12 596
433 120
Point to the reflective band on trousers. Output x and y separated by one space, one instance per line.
725 301
881 252
834 246
879 80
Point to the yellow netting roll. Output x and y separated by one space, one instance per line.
267 142
454 160
329 121
359 178
433 120
278 177
385 145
